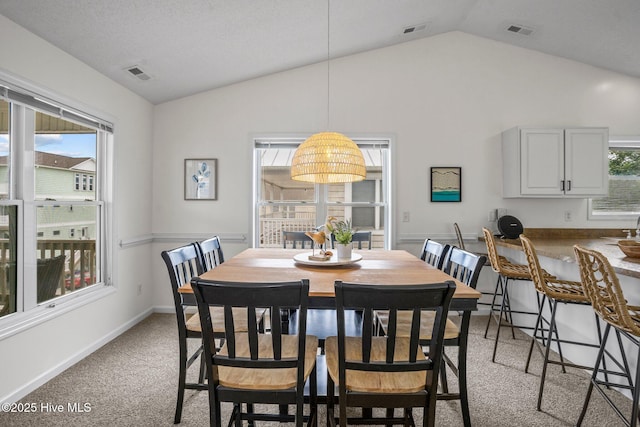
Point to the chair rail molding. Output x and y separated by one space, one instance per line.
179 237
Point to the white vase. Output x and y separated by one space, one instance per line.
344 251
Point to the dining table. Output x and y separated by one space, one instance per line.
377 266
388 267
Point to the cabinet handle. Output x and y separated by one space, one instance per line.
569 185
562 183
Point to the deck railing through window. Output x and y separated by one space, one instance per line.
80 262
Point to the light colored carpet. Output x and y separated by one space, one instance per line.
132 381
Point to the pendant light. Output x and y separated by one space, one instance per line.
328 157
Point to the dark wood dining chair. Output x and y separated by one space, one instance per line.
210 252
358 237
603 288
434 253
182 265
390 371
253 367
465 267
295 240
554 291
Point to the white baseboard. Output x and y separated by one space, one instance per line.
32 385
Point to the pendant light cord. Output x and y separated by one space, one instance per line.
328 60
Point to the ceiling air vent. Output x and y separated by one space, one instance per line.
137 72
520 29
414 28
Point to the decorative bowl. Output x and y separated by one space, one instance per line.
631 248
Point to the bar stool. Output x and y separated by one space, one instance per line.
506 271
603 289
555 291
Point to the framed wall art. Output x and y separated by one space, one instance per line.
446 184
201 179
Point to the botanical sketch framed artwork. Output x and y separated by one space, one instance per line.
446 184
201 179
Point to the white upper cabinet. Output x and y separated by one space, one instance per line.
569 162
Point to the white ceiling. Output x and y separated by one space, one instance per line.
188 46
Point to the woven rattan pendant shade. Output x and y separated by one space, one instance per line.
328 157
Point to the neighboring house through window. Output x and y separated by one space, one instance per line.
49 158
283 204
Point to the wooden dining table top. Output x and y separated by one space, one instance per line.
387 267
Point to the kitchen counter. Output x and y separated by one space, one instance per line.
558 244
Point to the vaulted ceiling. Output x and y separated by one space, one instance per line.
182 47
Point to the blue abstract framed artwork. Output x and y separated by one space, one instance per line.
200 179
446 184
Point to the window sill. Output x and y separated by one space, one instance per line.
16 323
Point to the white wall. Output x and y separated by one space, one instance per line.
31 357
446 99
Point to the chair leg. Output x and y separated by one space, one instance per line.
443 375
493 304
594 375
604 360
331 420
462 379
313 398
182 379
505 297
552 329
535 333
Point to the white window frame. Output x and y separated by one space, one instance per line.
25 98
321 200
615 142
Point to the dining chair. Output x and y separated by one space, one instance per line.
210 252
183 264
390 371
254 367
554 291
434 253
49 276
603 288
296 238
465 267
358 237
508 272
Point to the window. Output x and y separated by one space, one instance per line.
623 201
49 152
283 204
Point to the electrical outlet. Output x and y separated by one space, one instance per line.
406 217
493 215
568 217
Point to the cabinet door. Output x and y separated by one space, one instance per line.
542 162
586 162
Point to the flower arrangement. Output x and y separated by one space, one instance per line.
341 230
